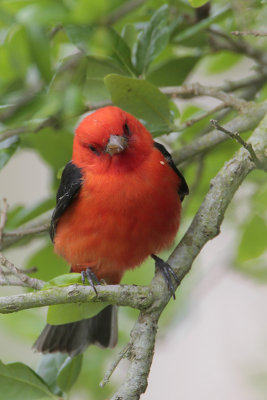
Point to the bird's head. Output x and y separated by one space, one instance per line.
110 137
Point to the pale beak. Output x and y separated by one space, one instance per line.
116 144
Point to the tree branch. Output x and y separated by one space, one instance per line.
241 124
221 40
19 276
196 89
249 33
124 295
36 226
238 138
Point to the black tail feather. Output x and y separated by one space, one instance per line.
73 338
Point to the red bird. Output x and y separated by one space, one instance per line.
118 202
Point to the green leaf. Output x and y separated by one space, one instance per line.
198 3
69 372
40 49
80 35
220 62
141 99
260 198
7 149
97 68
129 35
64 280
48 263
172 72
121 52
196 29
19 382
48 368
24 214
153 39
65 313
253 242
54 146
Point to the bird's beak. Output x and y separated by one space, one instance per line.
116 144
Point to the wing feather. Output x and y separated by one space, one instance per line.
183 189
70 184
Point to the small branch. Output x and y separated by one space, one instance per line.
238 138
36 226
202 116
55 30
51 121
241 123
12 281
239 46
249 33
140 355
3 218
23 278
196 89
26 97
122 354
256 81
25 232
24 271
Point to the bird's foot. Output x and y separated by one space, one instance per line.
91 277
167 272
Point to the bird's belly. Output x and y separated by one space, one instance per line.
118 229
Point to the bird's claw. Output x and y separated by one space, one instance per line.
167 272
91 278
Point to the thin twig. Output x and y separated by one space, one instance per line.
55 30
122 354
238 138
12 281
3 218
26 232
24 271
21 102
238 46
202 116
196 89
242 123
249 33
51 121
37 225
26 280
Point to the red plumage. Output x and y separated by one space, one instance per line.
127 207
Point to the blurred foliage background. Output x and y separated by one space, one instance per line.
61 59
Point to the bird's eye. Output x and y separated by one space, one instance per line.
126 130
93 149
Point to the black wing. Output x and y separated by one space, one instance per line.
70 184
183 188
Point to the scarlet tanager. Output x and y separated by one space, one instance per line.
118 202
